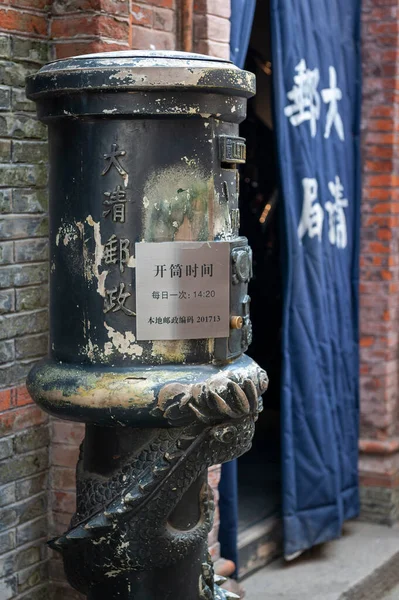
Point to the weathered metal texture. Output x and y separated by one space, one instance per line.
143 148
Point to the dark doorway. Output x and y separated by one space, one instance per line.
259 486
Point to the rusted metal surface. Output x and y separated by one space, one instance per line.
143 148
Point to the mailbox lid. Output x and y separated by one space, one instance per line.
138 70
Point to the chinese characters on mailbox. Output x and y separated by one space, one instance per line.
179 270
116 249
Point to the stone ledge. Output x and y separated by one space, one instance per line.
362 565
259 545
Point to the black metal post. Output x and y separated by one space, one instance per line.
144 217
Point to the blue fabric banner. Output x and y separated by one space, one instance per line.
228 511
316 75
242 14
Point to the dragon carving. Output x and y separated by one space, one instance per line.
135 518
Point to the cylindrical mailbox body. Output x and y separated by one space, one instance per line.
149 312
143 148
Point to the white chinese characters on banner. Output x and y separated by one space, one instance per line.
305 100
312 217
304 97
312 212
331 96
336 217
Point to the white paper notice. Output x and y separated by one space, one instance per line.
182 290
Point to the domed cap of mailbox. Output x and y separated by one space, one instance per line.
140 70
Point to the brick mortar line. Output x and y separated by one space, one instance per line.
58 512
30 522
27 214
22 164
16 263
94 13
68 444
39 237
31 544
28 189
21 60
41 562
25 139
24 61
8 216
30 141
19 361
95 37
369 133
28 335
15 408
38 12
32 497
23 113
384 20
6 32
23 361
27 361
22 140
212 14
27 477
59 582
22 287
26 313
28 285
212 41
34 263
15 527
150 7
34 589
34 36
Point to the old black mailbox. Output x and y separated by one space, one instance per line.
149 310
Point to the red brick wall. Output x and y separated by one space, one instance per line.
212 27
154 25
24 465
84 26
24 431
64 450
379 286
23 498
